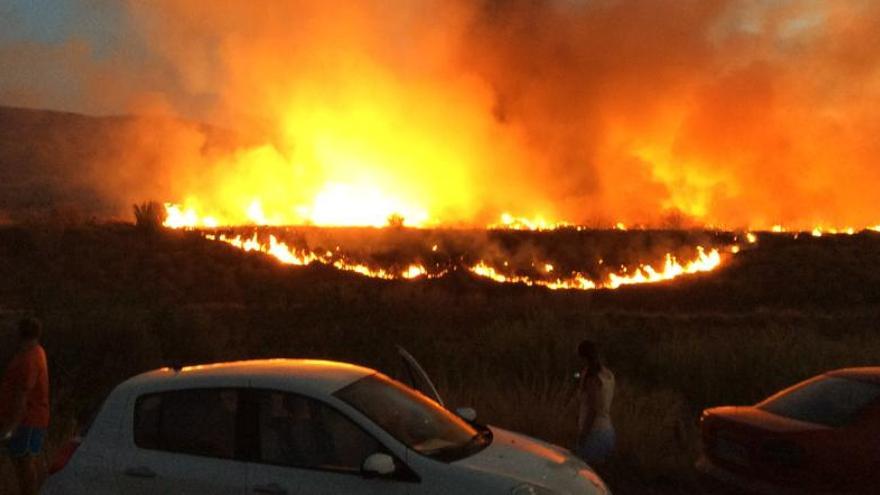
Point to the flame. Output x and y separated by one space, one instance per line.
343 204
440 112
538 223
282 252
336 204
577 281
705 262
644 274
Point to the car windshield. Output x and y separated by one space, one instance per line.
420 423
827 400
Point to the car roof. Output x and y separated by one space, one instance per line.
313 376
865 374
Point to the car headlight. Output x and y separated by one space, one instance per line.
529 489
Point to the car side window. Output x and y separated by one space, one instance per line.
198 422
830 401
298 431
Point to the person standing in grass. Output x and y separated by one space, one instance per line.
24 405
596 438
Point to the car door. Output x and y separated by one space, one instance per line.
861 446
417 378
184 442
307 447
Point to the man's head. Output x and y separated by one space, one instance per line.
589 352
29 329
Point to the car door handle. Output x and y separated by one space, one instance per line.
140 472
270 489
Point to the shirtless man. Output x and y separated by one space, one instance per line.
596 435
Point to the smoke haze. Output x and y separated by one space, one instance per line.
695 112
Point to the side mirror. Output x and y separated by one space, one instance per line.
466 413
378 464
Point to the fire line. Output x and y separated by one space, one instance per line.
704 261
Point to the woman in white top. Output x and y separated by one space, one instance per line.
596 438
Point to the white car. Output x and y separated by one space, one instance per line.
290 426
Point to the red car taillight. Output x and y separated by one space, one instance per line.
63 455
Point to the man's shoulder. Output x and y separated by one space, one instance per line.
35 350
34 355
606 374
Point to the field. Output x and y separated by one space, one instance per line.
117 300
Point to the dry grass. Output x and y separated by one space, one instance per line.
116 303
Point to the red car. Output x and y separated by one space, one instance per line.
819 436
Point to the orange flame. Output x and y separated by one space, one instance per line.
283 253
644 274
511 222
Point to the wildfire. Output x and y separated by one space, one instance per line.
177 218
335 205
511 222
288 256
341 205
819 231
644 274
705 262
576 281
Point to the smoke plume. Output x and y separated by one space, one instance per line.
695 112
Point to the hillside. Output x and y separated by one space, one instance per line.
69 168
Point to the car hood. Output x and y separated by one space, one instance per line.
523 459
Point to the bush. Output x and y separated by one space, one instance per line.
150 216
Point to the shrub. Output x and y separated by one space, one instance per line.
150 216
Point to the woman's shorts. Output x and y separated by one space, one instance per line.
595 447
26 440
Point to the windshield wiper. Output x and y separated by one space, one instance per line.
478 442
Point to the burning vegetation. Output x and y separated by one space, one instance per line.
558 117
574 258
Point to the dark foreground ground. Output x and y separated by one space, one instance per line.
117 301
